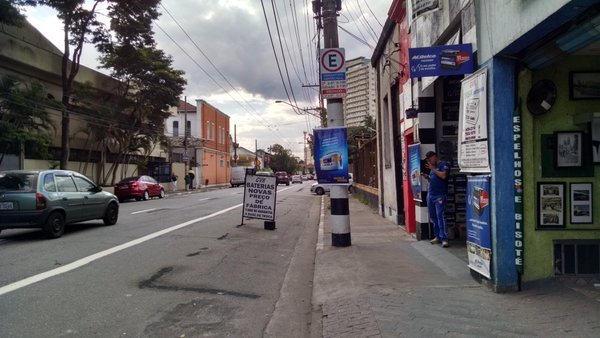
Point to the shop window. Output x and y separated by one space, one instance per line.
577 258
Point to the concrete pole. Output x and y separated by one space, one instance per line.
340 213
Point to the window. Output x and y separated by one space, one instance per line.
175 128
576 257
213 132
17 182
83 184
65 184
188 128
208 137
49 184
222 163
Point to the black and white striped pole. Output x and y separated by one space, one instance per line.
340 213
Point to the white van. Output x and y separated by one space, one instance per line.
238 176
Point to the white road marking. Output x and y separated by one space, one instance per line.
87 260
146 210
282 190
321 224
204 199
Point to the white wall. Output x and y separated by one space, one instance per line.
499 23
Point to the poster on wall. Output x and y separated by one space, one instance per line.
473 153
551 205
582 211
479 246
414 170
443 60
331 155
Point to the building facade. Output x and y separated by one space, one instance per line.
537 98
360 85
206 147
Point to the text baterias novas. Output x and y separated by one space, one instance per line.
260 195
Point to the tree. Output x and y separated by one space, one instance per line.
148 83
24 118
282 159
10 13
79 26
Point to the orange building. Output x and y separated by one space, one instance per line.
216 152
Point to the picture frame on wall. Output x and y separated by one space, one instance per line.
596 140
551 205
582 211
568 149
584 85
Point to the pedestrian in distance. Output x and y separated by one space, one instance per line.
192 176
174 182
436 196
187 181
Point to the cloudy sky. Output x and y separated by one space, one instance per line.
229 61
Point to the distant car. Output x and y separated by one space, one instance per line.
311 176
50 199
265 173
321 189
296 179
304 177
282 178
139 187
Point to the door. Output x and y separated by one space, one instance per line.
93 200
71 199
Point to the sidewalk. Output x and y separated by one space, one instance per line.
387 284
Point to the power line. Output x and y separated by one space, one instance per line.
356 37
375 16
365 19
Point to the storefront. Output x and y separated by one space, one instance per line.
544 81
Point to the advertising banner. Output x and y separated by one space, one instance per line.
331 155
260 194
479 246
518 174
414 170
441 60
473 154
419 7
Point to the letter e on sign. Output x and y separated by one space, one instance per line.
332 60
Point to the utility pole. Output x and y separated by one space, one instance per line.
235 145
256 166
185 149
305 155
340 214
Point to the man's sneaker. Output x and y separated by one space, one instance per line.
435 241
445 244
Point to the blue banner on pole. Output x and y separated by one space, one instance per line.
331 155
479 246
441 60
414 169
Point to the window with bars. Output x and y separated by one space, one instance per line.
175 128
577 258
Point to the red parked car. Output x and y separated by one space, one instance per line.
139 187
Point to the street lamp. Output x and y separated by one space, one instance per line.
321 116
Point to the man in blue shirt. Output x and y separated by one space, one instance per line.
436 196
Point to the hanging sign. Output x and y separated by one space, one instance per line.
414 170
479 246
417 8
518 173
260 194
441 60
331 155
473 154
333 73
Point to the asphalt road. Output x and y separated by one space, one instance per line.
177 267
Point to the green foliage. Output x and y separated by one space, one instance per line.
24 117
356 134
10 13
282 159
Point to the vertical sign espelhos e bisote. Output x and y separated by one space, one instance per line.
518 174
333 73
331 155
260 195
479 233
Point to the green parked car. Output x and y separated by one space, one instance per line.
50 199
